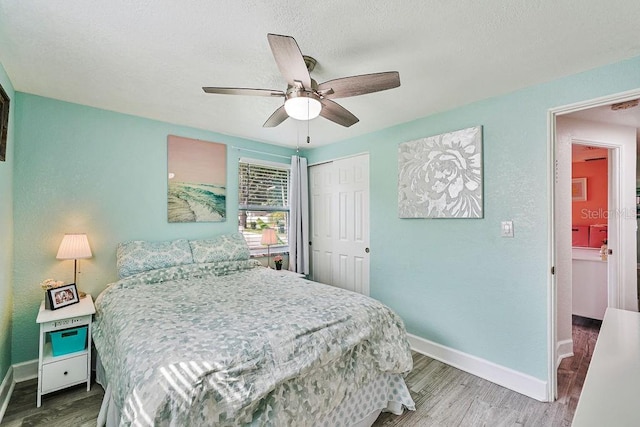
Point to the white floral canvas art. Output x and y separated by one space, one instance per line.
441 176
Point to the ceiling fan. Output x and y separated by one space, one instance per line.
304 98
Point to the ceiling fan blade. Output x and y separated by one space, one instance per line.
242 91
337 113
359 85
278 116
289 59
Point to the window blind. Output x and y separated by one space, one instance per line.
263 188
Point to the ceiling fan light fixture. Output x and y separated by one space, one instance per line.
303 107
304 98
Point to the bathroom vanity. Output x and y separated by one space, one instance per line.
589 283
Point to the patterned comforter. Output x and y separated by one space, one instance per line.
193 345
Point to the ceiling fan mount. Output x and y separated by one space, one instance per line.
304 98
310 62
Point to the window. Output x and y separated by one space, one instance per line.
263 202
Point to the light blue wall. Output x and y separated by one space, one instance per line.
6 235
81 169
457 282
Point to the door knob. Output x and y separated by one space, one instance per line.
366 250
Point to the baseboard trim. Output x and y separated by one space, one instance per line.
564 349
25 371
506 377
6 389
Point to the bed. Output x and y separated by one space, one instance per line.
196 333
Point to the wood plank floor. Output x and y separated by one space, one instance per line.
73 407
444 396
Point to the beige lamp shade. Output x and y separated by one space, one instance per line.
269 237
74 246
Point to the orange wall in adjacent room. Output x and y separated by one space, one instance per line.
594 209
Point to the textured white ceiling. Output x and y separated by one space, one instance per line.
151 57
604 114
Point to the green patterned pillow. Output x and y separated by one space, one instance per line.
138 256
226 247
160 275
222 268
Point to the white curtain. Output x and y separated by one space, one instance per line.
299 216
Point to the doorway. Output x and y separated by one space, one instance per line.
590 123
591 285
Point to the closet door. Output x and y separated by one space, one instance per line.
339 211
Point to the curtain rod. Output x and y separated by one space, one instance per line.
261 152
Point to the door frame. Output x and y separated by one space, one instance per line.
552 289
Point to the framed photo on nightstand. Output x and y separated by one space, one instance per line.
62 296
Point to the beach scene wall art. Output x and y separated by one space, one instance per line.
197 173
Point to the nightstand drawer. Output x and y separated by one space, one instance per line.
65 372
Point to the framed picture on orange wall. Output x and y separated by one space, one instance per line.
579 189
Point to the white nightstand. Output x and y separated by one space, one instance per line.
58 372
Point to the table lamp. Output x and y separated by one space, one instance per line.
269 238
75 247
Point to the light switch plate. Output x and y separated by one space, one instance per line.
506 229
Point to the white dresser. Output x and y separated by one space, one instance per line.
611 392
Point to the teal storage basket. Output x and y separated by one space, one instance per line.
68 340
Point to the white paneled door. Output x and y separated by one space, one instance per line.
339 199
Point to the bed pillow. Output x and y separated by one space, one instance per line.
161 275
139 256
222 268
226 247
